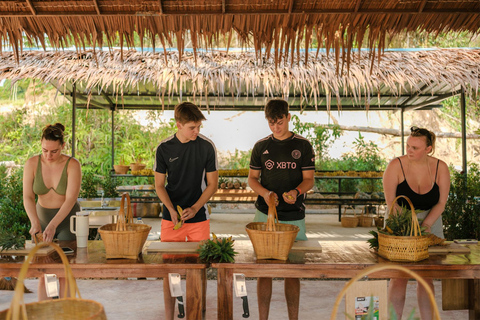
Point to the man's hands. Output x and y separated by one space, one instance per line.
290 197
181 216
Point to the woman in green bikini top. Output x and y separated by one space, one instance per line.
56 179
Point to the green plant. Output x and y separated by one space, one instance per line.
217 250
109 186
90 183
321 137
399 224
11 240
460 217
13 218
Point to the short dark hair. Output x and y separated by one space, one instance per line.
422 132
186 112
276 109
54 132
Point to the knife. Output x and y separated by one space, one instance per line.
176 292
241 291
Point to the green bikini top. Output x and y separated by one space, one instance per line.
39 186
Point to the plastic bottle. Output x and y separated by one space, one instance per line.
139 220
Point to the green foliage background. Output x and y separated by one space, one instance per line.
461 215
12 214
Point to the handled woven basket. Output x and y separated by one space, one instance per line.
73 308
404 248
349 222
380 267
124 239
272 240
365 219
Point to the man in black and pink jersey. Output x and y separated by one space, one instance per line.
282 163
187 162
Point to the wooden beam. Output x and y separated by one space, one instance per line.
290 6
422 6
160 7
422 89
32 8
223 6
446 11
358 5
97 8
432 101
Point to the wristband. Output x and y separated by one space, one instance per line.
298 190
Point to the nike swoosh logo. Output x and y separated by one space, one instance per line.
172 159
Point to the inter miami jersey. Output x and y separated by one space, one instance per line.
186 165
281 163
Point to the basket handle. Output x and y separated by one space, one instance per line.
345 212
122 218
272 212
18 301
381 267
415 230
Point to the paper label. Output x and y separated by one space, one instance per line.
362 304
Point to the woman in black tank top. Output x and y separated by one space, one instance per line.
425 180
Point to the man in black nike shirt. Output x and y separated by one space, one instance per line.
187 161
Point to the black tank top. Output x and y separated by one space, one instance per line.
420 201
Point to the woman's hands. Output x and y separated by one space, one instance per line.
49 233
35 228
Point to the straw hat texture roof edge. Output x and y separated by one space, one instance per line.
241 74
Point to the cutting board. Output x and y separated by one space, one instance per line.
449 248
171 247
23 252
191 247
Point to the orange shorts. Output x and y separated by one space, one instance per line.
193 232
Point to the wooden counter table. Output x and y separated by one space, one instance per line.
345 259
91 263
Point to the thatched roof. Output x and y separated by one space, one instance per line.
220 80
282 25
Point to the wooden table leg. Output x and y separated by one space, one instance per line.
195 296
225 294
204 287
474 297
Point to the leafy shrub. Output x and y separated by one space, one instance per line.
90 183
461 215
13 218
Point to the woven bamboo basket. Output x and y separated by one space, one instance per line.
73 308
272 240
365 220
349 222
124 239
377 268
404 248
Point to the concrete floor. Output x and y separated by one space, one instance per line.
143 299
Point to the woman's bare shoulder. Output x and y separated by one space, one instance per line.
394 163
32 161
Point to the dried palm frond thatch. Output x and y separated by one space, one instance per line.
240 73
282 25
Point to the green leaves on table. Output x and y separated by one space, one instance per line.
217 250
